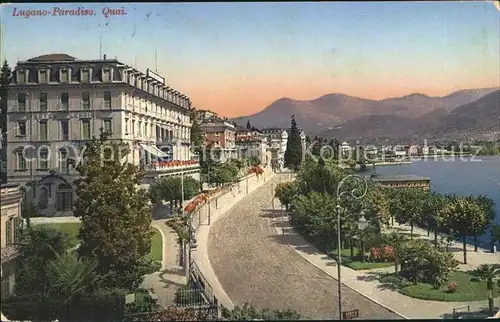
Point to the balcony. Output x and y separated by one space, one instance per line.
9 253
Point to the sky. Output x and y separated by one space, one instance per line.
237 58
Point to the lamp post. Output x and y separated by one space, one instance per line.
356 193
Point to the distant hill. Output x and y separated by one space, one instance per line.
481 116
332 110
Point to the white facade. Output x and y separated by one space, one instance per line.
56 119
57 103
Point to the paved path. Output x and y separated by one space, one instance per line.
253 263
165 283
366 282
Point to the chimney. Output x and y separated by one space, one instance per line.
104 57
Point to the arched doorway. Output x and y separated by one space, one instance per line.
64 197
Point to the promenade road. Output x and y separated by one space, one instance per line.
253 266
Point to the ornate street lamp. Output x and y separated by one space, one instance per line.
356 193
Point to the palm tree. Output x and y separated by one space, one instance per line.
71 277
183 240
489 273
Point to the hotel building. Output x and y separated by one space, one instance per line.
277 140
56 103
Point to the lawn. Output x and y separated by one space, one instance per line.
156 253
69 228
467 290
356 263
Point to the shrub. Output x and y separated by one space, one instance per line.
392 279
452 287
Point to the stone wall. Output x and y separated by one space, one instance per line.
202 271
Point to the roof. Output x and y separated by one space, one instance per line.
53 174
9 185
53 57
406 177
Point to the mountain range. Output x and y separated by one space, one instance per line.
415 115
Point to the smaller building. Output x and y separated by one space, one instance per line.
11 197
403 181
221 135
252 144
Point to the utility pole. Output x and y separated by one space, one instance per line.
272 194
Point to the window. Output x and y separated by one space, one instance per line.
64 130
151 130
84 76
21 128
44 198
139 127
63 160
64 101
145 129
44 159
42 76
86 100
64 76
133 126
43 131
21 76
106 75
85 129
64 200
107 126
43 102
21 102
8 232
107 99
21 161
126 126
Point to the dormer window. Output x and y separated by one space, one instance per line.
21 76
43 76
64 76
106 75
84 75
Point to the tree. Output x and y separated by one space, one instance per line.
314 215
465 218
293 153
488 273
431 214
377 203
408 206
197 137
116 216
249 126
488 206
285 192
397 242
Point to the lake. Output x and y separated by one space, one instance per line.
462 176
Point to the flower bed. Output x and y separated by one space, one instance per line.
258 170
382 254
169 164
